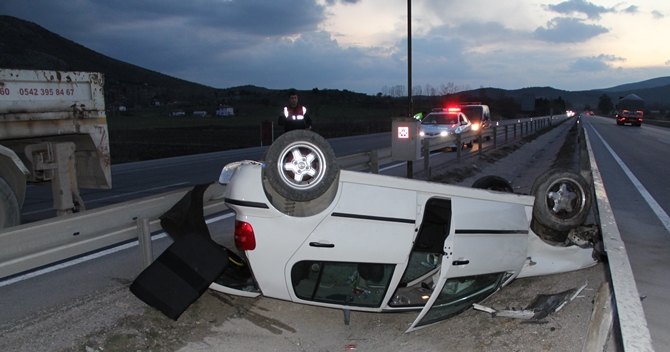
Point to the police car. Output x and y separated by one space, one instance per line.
447 124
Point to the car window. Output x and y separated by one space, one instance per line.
472 112
351 284
440 119
426 256
458 294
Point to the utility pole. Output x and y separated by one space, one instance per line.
410 107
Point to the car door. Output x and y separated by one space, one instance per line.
485 248
351 256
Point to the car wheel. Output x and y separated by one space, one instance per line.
10 213
562 199
494 183
300 165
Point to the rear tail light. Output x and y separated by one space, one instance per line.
245 240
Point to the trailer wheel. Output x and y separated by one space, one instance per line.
10 214
300 165
494 183
562 199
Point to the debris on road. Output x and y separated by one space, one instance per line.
539 308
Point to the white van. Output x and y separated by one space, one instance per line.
479 114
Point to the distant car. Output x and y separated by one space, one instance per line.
446 124
634 117
313 234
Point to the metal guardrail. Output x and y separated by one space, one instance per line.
366 160
527 125
33 245
530 125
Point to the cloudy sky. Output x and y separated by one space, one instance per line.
361 45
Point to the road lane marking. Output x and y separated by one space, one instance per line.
97 255
391 167
655 207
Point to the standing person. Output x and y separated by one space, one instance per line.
294 116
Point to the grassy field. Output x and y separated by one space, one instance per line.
158 118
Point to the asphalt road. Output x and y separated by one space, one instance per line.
632 161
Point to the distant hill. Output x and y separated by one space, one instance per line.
650 83
657 97
26 45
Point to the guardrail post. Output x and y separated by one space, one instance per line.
514 132
479 140
495 137
374 161
506 133
425 151
144 237
459 146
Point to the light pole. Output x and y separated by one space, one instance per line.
410 107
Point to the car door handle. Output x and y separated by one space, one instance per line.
460 262
322 245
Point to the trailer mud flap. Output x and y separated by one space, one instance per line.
180 275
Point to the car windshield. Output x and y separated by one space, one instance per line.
440 119
474 113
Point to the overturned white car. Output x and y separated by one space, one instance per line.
313 234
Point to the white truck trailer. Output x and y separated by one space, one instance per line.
53 129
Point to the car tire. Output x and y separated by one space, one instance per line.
10 212
494 183
548 234
562 199
300 165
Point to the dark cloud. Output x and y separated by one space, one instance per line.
172 36
657 15
598 63
568 30
570 7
